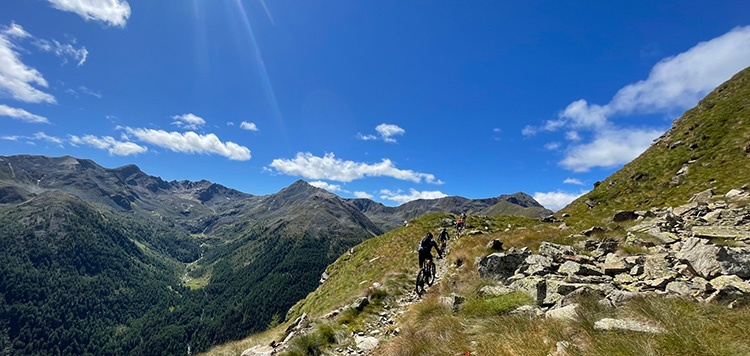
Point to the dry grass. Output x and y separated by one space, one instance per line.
234 348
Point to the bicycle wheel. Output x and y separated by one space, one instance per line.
421 280
431 273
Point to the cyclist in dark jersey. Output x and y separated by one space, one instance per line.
443 238
425 246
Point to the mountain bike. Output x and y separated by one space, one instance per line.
426 275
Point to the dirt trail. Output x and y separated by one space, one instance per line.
385 326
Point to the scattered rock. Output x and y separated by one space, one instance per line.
495 244
624 215
366 343
558 253
501 265
569 312
608 324
593 230
259 350
360 303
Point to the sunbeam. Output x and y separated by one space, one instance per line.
260 64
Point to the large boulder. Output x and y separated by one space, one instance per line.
537 265
624 215
575 268
558 253
500 265
536 287
709 260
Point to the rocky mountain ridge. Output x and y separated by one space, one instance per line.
230 262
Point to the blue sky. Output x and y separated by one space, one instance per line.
391 100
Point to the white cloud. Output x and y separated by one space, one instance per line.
41 136
15 30
682 80
362 195
63 50
88 91
250 126
572 136
21 114
674 83
331 168
401 197
188 121
191 142
16 79
609 149
386 132
325 185
558 199
114 147
112 12
552 146
573 181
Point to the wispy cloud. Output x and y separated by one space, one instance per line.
88 91
112 12
84 90
401 197
188 121
558 199
609 149
39 136
333 188
573 181
191 142
675 83
249 126
63 50
108 143
363 195
385 133
331 168
17 79
21 114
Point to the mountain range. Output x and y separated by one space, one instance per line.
158 265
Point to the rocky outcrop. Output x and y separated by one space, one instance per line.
681 258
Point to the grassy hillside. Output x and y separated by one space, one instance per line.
484 324
711 140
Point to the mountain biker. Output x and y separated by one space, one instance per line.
443 237
425 245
